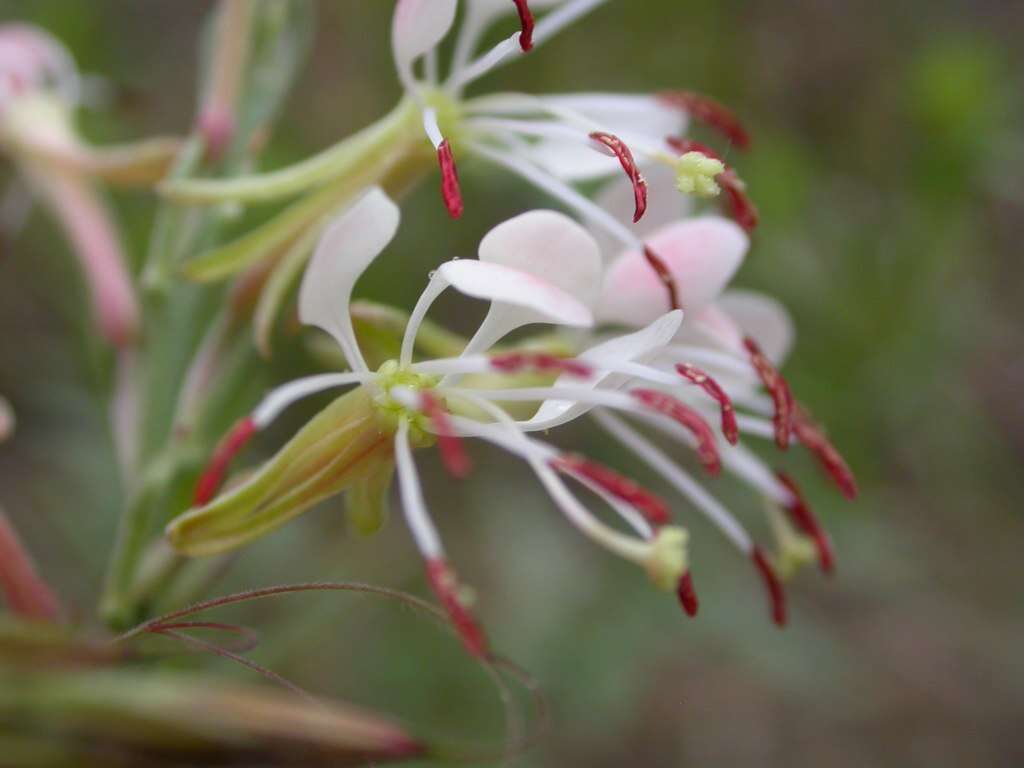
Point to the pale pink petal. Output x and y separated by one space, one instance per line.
416 27
701 253
665 205
348 246
550 250
544 302
762 318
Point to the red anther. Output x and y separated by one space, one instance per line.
774 586
816 441
453 453
450 190
711 112
687 595
625 157
526 22
696 376
777 388
743 208
513 362
665 275
446 586
654 510
229 446
683 414
804 519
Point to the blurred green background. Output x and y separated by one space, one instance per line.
887 163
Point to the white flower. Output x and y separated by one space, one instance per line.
540 267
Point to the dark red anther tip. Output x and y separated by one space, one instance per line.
665 275
212 477
450 190
687 595
453 452
693 374
446 586
543 362
654 510
777 387
707 448
771 581
526 22
625 157
711 113
814 439
805 520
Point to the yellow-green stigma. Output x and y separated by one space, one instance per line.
696 172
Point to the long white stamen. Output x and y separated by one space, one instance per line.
562 191
274 403
752 425
415 508
710 358
538 128
677 477
546 28
538 455
434 289
749 467
431 127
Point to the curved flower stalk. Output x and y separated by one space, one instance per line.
551 141
540 267
39 88
724 363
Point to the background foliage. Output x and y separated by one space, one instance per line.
887 159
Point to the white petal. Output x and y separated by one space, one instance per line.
762 318
638 346
416 27
702 254
348 246
637 120
548 245
558 261
543 301
665 205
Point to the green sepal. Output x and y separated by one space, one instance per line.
325 457
367 499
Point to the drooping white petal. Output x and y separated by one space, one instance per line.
702 253
633 347
549 270
416 27
348 246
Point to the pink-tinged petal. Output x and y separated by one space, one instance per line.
702 255
348 246
554 269
416 27
544 301
665 206
763 319
95 240
639 346
548 245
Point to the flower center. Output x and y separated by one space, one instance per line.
390 411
